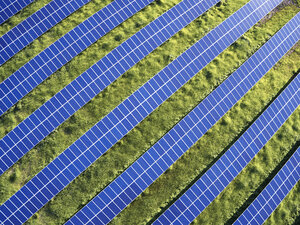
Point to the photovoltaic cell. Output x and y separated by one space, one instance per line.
88 148
215 180
268 200
66 102
122 191
24 80
11 7
35 25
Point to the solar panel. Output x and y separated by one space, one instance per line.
122 191
268 200
66 102
77 157
11 7
35 25
64 49
215 180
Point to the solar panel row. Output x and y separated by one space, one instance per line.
122 191
268 200
89 147
10 8
66 102
35 25
63 50
215 180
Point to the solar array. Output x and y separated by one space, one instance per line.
232 162
268 200
35 25
122 191
64 49
114 126
66 102
11 7
99 139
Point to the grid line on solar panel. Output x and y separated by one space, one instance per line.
10 8
64 177
272 195
94 80
64 49
215 180
35 25
153 163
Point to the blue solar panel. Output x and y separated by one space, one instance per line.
35 25
11 7
94 143
66 102
268 200
173 145
214 181
63 50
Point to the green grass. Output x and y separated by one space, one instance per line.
198 158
